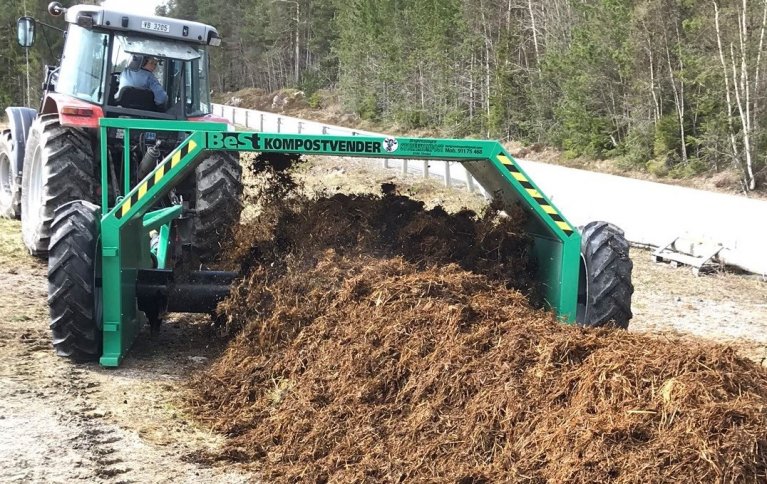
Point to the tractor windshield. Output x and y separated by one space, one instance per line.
83 64
182 72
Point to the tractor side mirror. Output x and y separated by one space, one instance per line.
25 32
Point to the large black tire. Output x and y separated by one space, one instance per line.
10 188
73 289
218 202
605 288
59 167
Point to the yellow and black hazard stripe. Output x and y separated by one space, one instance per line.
154 178
533 192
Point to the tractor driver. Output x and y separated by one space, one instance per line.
140 74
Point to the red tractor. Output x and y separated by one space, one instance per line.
51 157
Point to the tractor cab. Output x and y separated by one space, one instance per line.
181 70
117 65
101 44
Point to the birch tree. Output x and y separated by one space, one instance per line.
740 58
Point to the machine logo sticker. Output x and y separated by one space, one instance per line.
233 141
304 144
390 144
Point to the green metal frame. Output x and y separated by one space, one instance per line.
125 227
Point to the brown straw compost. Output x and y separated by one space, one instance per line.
378 341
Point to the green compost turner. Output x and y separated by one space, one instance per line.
136 285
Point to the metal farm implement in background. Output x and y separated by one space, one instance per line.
111 270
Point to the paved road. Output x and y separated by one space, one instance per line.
653 213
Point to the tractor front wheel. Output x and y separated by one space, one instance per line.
74 274
605 288
59 167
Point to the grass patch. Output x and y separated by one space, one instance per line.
13 254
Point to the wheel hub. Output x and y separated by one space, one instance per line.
6 177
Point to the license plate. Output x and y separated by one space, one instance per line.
156 26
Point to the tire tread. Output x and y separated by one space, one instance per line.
217 203
605 252
72 175
71 292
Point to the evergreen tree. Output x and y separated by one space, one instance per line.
673 86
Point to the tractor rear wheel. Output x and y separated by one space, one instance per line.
59 167
73 281
218 202
10 189
605 288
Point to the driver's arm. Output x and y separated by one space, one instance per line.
160 96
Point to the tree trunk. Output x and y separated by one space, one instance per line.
678 88
742 86
535 33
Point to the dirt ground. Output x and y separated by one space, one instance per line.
61 422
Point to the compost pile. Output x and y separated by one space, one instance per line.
380 341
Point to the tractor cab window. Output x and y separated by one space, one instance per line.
182 72
83 64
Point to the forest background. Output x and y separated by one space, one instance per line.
672 87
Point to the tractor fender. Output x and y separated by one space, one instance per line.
72 112
19 119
